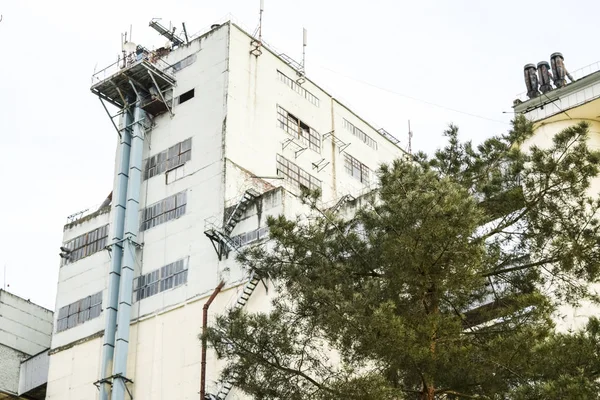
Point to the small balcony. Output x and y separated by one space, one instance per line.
144 74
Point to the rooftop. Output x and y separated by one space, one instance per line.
583 91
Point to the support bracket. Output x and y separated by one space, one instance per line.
299 148
111 379
110 116
339 143
319 165
160 93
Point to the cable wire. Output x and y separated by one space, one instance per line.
415 98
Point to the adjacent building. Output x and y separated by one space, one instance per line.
215 134
25 331
554 104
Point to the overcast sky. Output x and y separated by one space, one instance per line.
433 62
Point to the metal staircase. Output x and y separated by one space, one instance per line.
220 239
240 303
344 199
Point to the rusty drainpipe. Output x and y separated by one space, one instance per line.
204 327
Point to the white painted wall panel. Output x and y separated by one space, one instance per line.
34 372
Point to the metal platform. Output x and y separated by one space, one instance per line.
115 87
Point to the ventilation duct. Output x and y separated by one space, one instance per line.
559 71
531 81
544 76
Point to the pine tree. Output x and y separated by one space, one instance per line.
443 286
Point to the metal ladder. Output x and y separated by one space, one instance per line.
344 199
220 238
241 302
248 197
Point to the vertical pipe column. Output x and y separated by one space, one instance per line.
129 247
119 199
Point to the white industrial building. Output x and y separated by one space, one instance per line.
25 331
215 134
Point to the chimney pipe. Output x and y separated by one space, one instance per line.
558 70
531 81
545 76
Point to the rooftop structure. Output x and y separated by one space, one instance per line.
25 330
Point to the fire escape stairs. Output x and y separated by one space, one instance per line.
220 238
249 288
344 199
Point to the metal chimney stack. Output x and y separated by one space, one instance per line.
558 70
545 76
531 81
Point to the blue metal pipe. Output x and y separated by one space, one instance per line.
110 313
129 249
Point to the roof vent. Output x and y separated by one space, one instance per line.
545 76
214 26
558 70
531 81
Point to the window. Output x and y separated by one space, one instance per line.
189 60
159 280
250 237
360 134
168 159
165 210
293 173
87 244
298 89
79 312
186 96
356 169
298 129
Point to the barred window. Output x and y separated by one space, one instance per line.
298 129
298 89
79 312
360 134
293 173
168 159
87 244
165 278
250 237
165 210
357 169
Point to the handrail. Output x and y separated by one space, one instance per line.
152 57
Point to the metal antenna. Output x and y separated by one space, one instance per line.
187 41
4 281
262 9
304 35
410 135
256 43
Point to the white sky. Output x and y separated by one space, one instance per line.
58 144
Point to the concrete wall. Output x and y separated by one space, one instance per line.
567 317
254 138
24 326
10 362
34 372
73 371
82 278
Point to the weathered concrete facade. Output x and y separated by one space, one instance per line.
248 125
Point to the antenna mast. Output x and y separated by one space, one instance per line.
410 135
256 51
262 9
304 35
